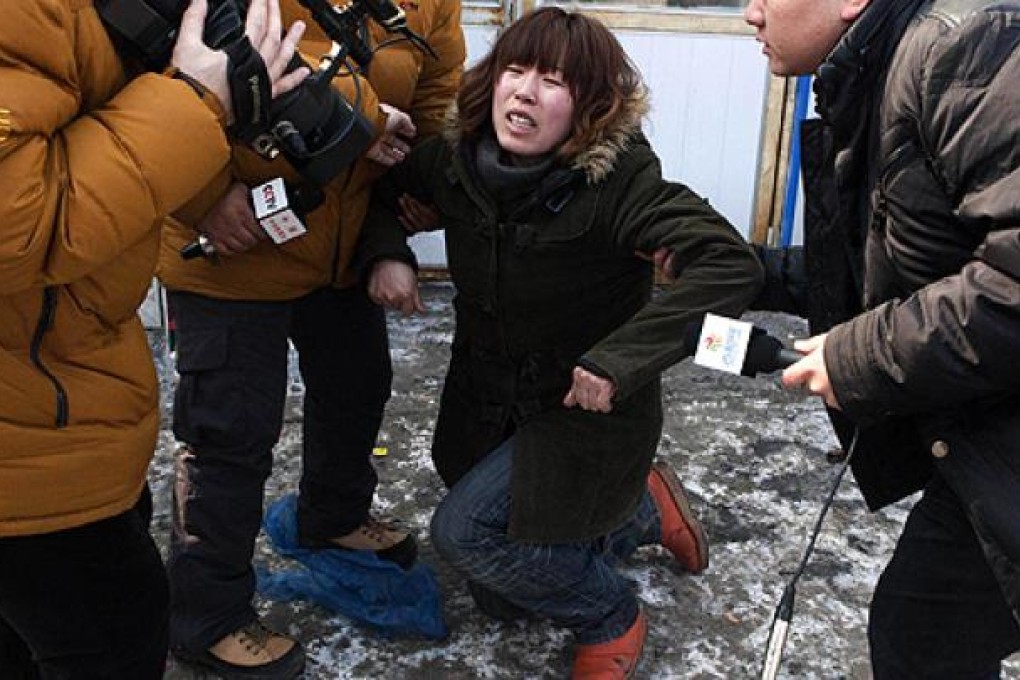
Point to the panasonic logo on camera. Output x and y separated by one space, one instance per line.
256 99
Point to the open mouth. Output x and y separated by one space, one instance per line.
521 120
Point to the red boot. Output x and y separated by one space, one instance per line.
613 660
682 533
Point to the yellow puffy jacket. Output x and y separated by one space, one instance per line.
90 162
400 75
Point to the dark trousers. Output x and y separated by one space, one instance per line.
938 612
228 410
84 603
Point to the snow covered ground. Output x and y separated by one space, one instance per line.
754 459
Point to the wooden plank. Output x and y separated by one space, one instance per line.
669 20
483 15
774 160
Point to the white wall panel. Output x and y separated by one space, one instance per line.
708 94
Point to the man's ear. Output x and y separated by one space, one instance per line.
851 9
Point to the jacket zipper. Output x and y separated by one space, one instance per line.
45 322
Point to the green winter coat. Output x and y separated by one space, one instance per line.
555 283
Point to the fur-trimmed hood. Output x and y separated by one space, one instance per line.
599 159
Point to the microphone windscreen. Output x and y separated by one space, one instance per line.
762 351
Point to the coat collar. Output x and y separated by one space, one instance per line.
849 78
598 160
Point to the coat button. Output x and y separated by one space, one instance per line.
940 449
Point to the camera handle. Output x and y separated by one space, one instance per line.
342 25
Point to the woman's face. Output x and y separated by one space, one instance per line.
532 111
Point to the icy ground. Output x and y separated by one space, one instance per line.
754 461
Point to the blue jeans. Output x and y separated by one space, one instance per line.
576 585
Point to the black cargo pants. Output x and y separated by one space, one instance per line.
86 602
938 613
228 411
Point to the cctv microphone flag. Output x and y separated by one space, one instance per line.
274 213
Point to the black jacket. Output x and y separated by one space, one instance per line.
553 283
913 215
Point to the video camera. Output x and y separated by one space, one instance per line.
313 126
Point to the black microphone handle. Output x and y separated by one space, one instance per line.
200 247
788 357
766 354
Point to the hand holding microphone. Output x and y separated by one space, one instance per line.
244 217
229 228
810 372
741 348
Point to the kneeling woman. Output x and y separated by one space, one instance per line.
551 411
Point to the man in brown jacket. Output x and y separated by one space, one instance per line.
234 317
91 160
912 259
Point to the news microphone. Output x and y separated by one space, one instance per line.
766 354
737 347
279 210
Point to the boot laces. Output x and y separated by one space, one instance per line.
254 637
377 530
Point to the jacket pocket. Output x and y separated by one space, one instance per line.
208 404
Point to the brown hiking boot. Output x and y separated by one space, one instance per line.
613 660
682 533
252 652
384 539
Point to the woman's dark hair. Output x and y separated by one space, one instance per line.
594 66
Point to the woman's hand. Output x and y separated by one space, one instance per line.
394 285
810 372
590 392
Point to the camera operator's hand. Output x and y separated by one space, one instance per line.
230 225
394 285
263 28
392 146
